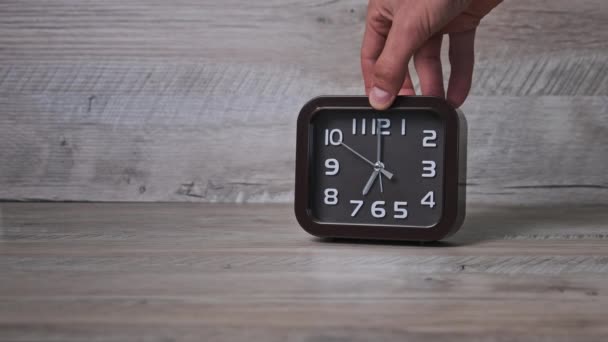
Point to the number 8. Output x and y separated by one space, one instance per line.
331 196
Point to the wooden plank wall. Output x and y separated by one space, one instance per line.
196 100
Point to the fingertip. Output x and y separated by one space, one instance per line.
458 89
380 99
456 100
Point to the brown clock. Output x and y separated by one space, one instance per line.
397 174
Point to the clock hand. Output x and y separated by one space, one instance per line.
357 154
379 152
370 182
379 144
387 174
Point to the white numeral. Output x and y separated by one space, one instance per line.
429 139
378 125
403 126
355 126
384 126
400 208
358 204
373 127
331 196
377 209
333 165
428 168
429 199
333 137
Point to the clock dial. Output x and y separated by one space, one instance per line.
377 168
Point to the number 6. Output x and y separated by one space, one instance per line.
377 210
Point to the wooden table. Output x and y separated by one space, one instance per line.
169 272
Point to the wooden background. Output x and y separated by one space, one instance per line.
196 100
167 272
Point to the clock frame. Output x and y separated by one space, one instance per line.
453 196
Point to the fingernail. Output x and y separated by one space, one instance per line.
380 99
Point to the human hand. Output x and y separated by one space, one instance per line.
397 30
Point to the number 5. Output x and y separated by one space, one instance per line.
400 208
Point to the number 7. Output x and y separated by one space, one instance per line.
359 204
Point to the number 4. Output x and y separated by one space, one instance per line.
429 199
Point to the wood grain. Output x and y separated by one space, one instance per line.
158 272
520 150
196 100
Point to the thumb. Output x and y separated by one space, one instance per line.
414 23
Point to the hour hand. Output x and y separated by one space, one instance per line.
387 174
370 182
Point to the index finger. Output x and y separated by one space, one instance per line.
376 31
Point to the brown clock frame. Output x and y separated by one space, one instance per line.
454 176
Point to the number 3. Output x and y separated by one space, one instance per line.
428 168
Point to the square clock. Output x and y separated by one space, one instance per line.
397 174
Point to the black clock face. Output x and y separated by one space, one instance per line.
377 168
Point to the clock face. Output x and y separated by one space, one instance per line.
377 168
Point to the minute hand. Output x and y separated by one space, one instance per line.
387 174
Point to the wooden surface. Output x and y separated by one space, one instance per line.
221 272
150 100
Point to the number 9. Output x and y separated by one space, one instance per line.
333 167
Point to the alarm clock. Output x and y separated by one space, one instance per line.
396 174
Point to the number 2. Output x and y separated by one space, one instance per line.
429 139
